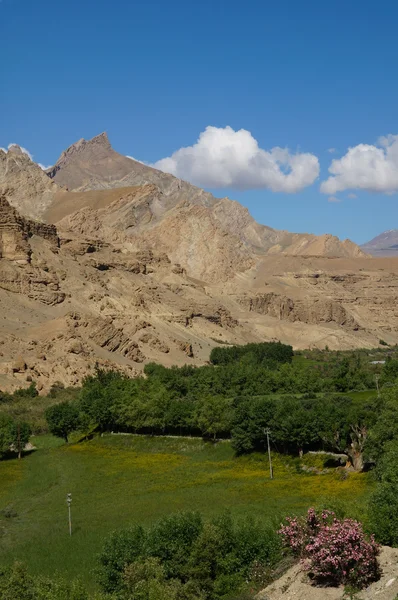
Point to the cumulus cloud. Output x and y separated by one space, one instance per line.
331 150
366 167
352 196
334 199
224 158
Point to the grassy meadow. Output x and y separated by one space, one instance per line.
117 480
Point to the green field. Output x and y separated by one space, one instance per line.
117 480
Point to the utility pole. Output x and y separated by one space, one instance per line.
377 386
69 502
267 433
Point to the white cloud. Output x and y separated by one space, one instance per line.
366 167
224 158
352 196
44 167
334 199
331 150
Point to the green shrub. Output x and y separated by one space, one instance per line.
171 539
121 549
184 556
17 584
383 513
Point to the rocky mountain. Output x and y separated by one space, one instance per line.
385 244
162 271
25 184
212 238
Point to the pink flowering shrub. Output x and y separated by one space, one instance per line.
333 551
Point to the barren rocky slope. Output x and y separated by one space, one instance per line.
25 184
94 165
69 302
139 273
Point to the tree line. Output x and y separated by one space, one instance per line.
244 390
233 398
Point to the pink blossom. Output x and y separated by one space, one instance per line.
333 551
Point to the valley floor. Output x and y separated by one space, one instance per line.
117 480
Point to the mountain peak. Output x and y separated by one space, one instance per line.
99 141
101 138
15 149
384 244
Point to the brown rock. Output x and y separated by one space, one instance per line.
19 365
187 348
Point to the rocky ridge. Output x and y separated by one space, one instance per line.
162 271
93 165
26 186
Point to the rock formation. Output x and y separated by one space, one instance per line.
162 271
25 184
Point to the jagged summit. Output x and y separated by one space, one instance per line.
215 238
99 141
25 184
15 149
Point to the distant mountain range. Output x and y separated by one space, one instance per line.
385 244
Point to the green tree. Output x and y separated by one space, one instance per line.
146 580
385 429
98 395
62 419
6 433
21 432
214 416
383 513
383 506
121 549
171 539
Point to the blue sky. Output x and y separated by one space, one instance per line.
308 76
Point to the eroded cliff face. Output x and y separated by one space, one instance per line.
71 303
26 186
311 310
143 267
15 232
20 272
